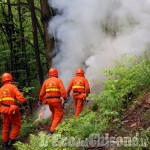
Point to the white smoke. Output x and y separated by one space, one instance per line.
93 33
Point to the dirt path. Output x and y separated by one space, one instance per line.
137 117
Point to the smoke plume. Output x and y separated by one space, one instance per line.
93 33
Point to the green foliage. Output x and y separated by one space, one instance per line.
88 123
29 126
146 134
40 142
125 82
28 93
16 42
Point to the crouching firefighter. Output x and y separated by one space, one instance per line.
11 118
53 89
80 87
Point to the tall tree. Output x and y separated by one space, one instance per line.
22 45
35 39
9 28
46 14
22 51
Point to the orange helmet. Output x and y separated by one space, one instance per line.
53 72
7 77
80 71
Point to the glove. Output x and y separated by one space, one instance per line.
25 105
64 103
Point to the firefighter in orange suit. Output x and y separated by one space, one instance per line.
9 95
53 89
80 87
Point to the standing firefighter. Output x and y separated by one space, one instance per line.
80 87
9 95
53 89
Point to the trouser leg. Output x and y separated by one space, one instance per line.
16 125
58 114
5 127
52 113
79 107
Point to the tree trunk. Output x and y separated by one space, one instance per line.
36 45
23 47
46 15
10 30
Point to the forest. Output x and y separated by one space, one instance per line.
117 107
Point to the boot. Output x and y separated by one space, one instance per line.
11 142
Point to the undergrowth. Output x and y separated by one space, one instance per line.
125 82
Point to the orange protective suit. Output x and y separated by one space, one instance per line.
53 89
9 94
80 87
